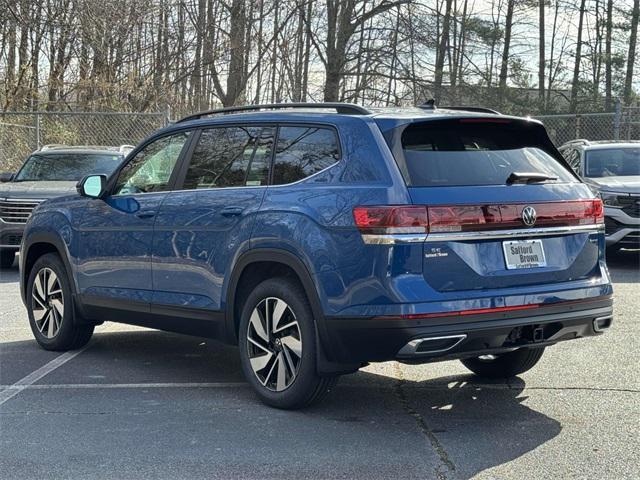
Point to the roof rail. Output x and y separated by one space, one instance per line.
342 108
472 109
51 146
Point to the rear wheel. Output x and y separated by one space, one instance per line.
504 365
278 345
50 307
7 257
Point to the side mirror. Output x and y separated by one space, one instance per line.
6 177
92 186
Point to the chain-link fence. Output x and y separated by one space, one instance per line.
623 124
21 133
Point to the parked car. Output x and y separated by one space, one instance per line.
50 172
612 168
321 237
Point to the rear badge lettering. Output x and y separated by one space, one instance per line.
436 252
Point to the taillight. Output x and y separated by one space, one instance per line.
476 218
597 210
391 219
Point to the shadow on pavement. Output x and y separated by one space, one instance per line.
458 425
9 275
624 265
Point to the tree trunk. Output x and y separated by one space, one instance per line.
607 54
631 57
441 53
541 54
504 66
235 79
576 68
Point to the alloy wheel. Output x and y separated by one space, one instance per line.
47 302
274 344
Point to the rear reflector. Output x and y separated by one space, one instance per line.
475 311
474 218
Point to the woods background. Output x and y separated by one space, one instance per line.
527 57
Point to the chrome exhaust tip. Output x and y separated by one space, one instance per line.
601 324
426 345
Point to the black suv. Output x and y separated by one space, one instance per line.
50 172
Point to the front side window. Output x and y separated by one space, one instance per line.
303 151
230 157
66 166
613 162
150 170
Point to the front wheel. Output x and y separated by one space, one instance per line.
504 365
50 307
277 338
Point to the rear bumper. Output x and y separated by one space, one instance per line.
381 339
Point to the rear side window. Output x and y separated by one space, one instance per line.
230 157
456 153
303 151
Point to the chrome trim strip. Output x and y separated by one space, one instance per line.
21 200
523 233
412 346
394 238
401 238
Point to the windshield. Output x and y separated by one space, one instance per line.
66 166
464 154
613 162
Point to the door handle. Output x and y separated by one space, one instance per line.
143 215
232 211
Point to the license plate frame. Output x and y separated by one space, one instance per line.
528 254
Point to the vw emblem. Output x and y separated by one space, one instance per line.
529 216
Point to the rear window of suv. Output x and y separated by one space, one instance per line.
465 152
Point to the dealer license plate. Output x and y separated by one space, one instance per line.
524 254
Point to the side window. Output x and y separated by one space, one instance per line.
150 169
230 157
303 151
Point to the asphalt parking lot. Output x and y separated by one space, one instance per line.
139 403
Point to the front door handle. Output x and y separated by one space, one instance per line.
231 211
143 215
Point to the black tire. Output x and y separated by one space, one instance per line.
69 335
307 386
505 365
7 257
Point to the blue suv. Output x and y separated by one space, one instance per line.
320 237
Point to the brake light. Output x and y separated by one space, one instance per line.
474 218
396 219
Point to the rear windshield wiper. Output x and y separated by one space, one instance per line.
528 177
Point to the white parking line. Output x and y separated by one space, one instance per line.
12 390
125 385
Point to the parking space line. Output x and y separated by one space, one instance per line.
11 391
125 385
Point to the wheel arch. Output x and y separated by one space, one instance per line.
269 262
37 245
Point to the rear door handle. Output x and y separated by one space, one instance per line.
232 211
